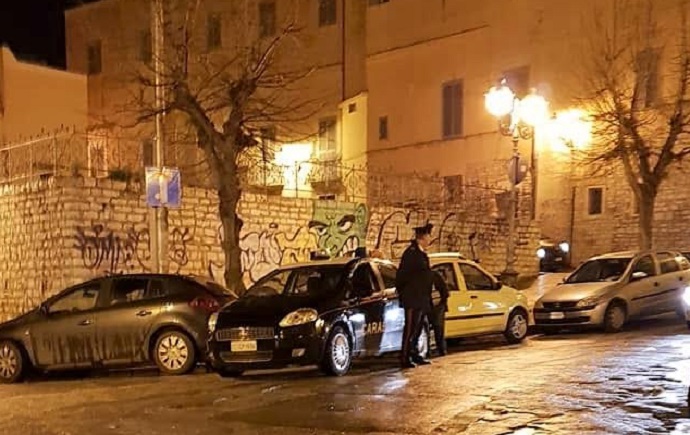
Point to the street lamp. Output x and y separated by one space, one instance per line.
517 119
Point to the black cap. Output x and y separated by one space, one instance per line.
423 231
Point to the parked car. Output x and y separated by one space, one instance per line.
553 257
116 321
479 303
321 313
608 290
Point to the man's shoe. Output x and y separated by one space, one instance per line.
421 361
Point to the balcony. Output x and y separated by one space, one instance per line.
326 175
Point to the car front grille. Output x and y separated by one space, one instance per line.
246 357
246 333
560 305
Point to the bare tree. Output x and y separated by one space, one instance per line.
227 95
637 71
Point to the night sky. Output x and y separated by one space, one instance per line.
35 29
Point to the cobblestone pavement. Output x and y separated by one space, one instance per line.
634 382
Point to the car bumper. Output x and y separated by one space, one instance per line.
301 345
553 318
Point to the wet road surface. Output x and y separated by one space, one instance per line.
634 382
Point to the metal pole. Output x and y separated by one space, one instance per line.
510 273
157 20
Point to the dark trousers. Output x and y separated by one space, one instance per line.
411 333
437 319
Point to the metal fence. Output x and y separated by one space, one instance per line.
70 153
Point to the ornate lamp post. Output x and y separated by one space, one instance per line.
517 119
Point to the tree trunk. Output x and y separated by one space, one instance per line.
646 219
229 196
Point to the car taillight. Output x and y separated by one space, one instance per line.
206 304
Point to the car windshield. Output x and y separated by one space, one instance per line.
603 269
295 282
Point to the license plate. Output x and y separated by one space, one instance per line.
559 258
557 316
243 346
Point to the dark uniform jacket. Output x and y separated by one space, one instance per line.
440 295
414 279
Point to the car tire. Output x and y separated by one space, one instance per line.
174 353
517 327
12 363
614 318
337 357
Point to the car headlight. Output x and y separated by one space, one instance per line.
299 317
591 301
565 247
686 296
541 253
212 320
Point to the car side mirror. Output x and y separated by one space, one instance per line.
638 276
43 309
498 285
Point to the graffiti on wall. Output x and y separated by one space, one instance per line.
340 227
103 249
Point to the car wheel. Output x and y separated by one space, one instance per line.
614 318
11 363
517 327
337 358
174 353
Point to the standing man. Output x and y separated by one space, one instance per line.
437 317
414 282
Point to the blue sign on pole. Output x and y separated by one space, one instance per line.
163 187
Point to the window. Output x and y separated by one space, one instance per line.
94 61
388 273
668 262
327 136
383 128
214 31
377 2
267 18
454 188
518 80
475 279
145 46
147 152
81 299
452 109
648 77
447 272
645 265
363 281
128 290
328 12
595 201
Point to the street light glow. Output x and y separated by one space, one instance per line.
534 110
500 100
570 129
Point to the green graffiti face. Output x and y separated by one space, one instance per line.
340 227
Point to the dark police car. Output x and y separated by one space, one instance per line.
322 312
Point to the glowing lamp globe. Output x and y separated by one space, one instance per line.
534 110
500 100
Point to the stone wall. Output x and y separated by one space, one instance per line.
61 231
616 229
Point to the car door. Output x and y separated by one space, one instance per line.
366 310
643 293
127 318
66 335
488 311
458 318
393 313
672 281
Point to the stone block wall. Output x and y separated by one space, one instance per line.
62 231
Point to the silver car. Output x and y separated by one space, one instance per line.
609 290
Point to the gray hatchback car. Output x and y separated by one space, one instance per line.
117 321
608 290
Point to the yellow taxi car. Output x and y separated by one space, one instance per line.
479 304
